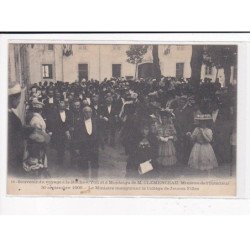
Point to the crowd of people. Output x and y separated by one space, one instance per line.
161 124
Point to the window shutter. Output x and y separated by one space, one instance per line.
50 71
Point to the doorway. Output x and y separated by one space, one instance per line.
82 71
145 70
179 70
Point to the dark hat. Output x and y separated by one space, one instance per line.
155 105
76 100
108 95
167 112
37 104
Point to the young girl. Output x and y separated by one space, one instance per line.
166 135
202 155
143 150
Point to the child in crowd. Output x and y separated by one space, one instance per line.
202 155
166 135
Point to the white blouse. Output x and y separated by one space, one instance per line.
37 121
63 116
51 100
109 109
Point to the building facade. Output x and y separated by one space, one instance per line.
59 62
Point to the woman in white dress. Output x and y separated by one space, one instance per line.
202 155
36 160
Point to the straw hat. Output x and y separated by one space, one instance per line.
167 112
14 88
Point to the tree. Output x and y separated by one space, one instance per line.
213 57
221 56
135 54
229 59
156 62
196 63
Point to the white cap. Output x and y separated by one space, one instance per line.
14 88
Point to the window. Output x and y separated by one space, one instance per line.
116 70
47 71
179 70
208 70
166 50
50 47
83 72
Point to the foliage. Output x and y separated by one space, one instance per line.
220 56
136 52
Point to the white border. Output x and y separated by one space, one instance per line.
134 205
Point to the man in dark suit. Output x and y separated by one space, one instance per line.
15 132
96 114
60 132
87 139
49 109
75 115
43 94
95 106
109 118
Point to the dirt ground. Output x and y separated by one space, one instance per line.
112 164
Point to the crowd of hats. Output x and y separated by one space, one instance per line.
158 92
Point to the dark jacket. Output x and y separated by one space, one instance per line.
88 144
96 111
48 113
59 127
111 116
15 143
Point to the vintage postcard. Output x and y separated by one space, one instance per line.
135 119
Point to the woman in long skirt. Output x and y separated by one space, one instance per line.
35 162
202 155
166 135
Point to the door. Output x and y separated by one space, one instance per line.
146 70
82 71
116 70
179 70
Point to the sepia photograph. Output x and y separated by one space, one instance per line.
122 119
124 125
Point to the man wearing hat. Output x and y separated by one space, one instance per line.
15 131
